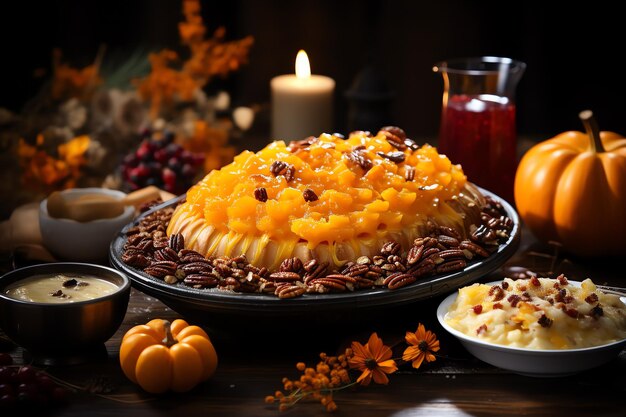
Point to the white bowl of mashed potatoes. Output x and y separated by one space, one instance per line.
537 326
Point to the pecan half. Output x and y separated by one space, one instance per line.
289 291
201 281
260 194
160 269
309 195
395 140
285 276
452 265
357 158
399 281
137 259
177 242
166 254
390 248
291 265
409 173
397 157
394 130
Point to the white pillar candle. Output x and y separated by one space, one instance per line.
302 104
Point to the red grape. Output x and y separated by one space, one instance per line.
6 389
5 359
26 374
7 375
7 401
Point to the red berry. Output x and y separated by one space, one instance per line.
59 395
8 375
174 163
45 383
169 176
7 401
6 389
198 159
175 150
188 171
161 156
26 374
5 359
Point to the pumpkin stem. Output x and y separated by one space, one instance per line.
169 339
592 130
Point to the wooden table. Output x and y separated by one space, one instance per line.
456 384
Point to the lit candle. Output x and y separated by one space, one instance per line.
302 104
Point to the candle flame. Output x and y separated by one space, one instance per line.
303 68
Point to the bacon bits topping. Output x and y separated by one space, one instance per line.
596 311
544 321
514 299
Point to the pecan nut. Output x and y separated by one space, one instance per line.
160 269
166 254
291 265
177 242
289 291
201 281
285 276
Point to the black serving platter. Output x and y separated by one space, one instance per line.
215 306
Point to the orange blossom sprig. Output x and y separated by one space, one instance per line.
373 359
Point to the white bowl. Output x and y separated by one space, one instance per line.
532 362
70 240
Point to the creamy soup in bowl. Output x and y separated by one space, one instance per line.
61 312
60 288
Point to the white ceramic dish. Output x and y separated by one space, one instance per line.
70 240
532 362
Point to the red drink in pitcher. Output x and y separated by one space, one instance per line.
478 132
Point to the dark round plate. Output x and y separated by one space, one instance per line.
209 305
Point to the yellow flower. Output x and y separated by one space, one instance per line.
373 359
423 343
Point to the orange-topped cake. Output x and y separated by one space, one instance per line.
328 197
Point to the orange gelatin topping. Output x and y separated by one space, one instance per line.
331 198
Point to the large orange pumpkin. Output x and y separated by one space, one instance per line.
571 189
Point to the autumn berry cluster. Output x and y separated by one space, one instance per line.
160 161
27 388
373 359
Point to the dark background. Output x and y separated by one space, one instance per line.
574 53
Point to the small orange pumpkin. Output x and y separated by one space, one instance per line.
571 189
162 356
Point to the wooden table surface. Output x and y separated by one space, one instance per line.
252 364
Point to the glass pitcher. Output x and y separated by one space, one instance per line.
478 127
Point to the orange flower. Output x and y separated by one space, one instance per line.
373 359
208 58
46 172
70 82
423 343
